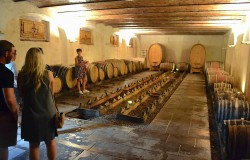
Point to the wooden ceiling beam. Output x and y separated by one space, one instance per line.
179 28
217 18
195 17
174 25
167 9
111 4
183 33
225 22
162 15
167 30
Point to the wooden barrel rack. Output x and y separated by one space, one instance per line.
146 88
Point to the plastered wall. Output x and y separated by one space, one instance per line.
59 50
178 46
237 64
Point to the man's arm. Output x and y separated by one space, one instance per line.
10 100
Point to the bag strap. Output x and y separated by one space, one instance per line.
54 100
53 97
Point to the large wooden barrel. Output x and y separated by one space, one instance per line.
155 54
119 64
92 73
168 66
57 84
66 75
182 66
107 67
197 58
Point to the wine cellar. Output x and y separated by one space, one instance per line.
164 79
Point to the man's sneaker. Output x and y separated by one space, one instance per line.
80 92
86 91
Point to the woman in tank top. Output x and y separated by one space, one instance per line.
35 85
80 72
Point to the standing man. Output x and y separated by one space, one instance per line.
12 66
8 109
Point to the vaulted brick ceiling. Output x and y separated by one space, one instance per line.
206 17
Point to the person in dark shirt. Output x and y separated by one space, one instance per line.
8 108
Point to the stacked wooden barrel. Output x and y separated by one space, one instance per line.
64 77
237 139
119 64
96 71
107 67
232 109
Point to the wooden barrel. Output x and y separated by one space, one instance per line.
240 142
126 70
133 66
119 64
230 139
155 54
57 84
197 58
143 62
66 75
92 73
129 65
107 67
168 66
116 73
247 108
101 74
237 136
182 66
55 69
137 66
248 142
141 65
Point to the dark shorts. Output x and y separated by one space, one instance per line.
8 129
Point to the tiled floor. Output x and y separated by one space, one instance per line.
179 131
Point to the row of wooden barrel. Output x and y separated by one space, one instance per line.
232 109
96 71
214 64
217 75
171 66
236 136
